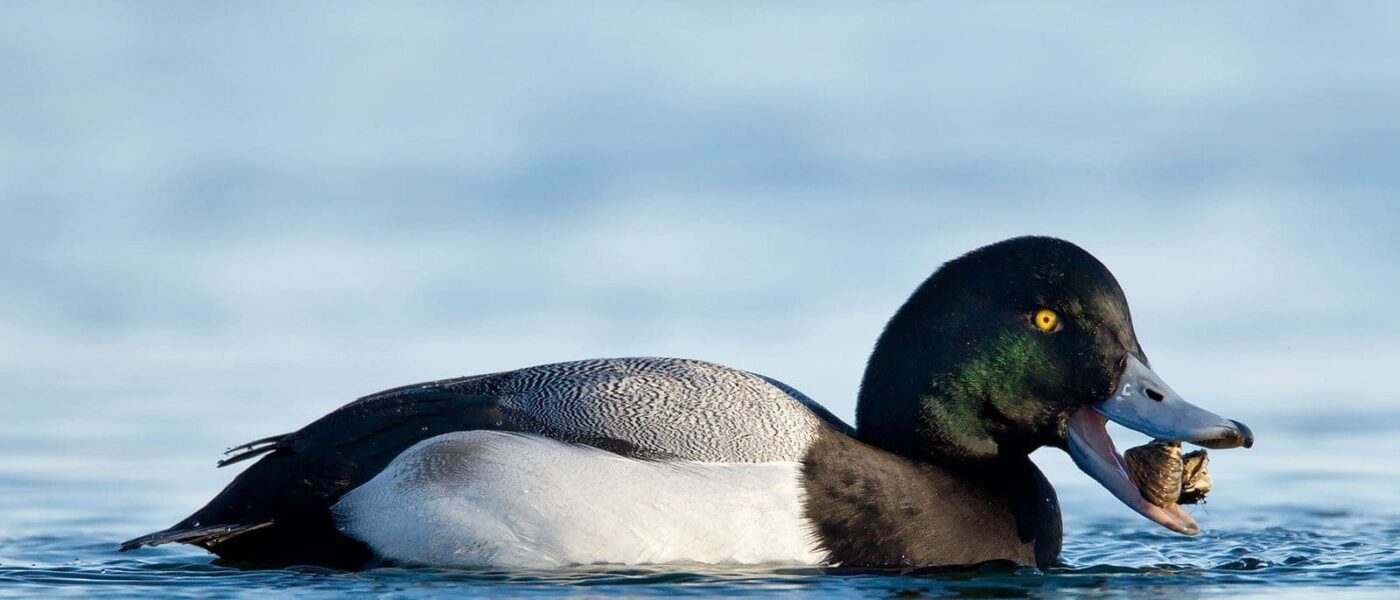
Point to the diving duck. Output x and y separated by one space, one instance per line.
1017 345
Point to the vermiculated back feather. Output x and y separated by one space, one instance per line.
683 408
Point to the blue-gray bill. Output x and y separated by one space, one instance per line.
1144 403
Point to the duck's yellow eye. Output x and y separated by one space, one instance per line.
1047 320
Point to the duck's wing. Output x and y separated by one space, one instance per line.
277 511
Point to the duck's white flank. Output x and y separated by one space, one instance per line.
489 498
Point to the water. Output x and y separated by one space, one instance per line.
1311 508
218 221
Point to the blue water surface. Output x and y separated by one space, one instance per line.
1272 527
219 221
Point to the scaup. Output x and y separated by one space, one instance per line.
1017 345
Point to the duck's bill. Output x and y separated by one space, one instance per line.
1143 402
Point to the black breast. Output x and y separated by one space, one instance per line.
872 508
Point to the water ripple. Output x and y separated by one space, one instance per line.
1360 554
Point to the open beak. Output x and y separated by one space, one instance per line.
1143 402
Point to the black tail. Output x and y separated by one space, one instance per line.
254 449
206 537
277 512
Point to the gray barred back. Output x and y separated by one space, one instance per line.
681 408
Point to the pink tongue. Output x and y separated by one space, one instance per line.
1093 451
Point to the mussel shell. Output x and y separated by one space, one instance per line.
1157 469
1165 477
1195 479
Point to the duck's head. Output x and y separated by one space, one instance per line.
1021 344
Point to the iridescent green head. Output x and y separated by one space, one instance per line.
1022 344
993 352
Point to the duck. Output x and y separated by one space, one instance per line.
1018 345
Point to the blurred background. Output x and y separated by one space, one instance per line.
219 221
